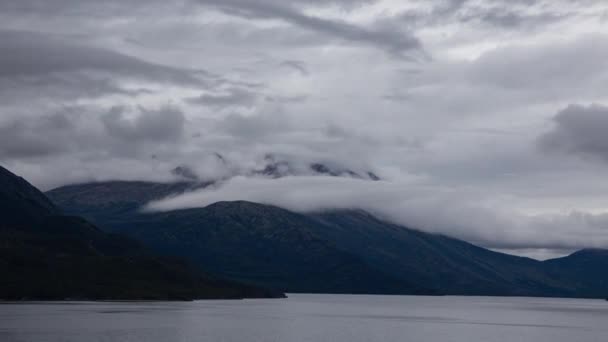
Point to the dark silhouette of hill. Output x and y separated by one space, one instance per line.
45 255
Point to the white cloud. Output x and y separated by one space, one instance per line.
468 215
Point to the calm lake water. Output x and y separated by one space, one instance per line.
312 318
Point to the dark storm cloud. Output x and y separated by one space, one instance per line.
579 130
24 54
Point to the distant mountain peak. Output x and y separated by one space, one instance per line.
590 252
271 166
21 202
275 167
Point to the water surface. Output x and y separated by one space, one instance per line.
311 318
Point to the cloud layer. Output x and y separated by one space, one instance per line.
469 216
579 130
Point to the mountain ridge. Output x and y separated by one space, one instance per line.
45 255
423 262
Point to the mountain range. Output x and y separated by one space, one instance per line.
273 166
346 251
46 255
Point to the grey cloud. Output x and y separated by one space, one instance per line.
25 54
579 130
63 87
230 97
26 139
114 7
509 14
399 43
242 35
403 44
299 66
287 99
89 131
63 131
254 128
90 9
515 76
559 64
455 213
505 18
164 124
502 14
241 97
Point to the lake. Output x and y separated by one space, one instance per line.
305 317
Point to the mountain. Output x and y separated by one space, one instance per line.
453 266
243 241
45 255
21 203
258 244
348 251
271 166
277 168
587 268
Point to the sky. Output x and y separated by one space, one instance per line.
485 120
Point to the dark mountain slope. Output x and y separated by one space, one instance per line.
117 194
44 255
21 203
452 266
588 269
262 243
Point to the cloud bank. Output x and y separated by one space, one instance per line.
579 130
465 215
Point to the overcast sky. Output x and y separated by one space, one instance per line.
486 120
